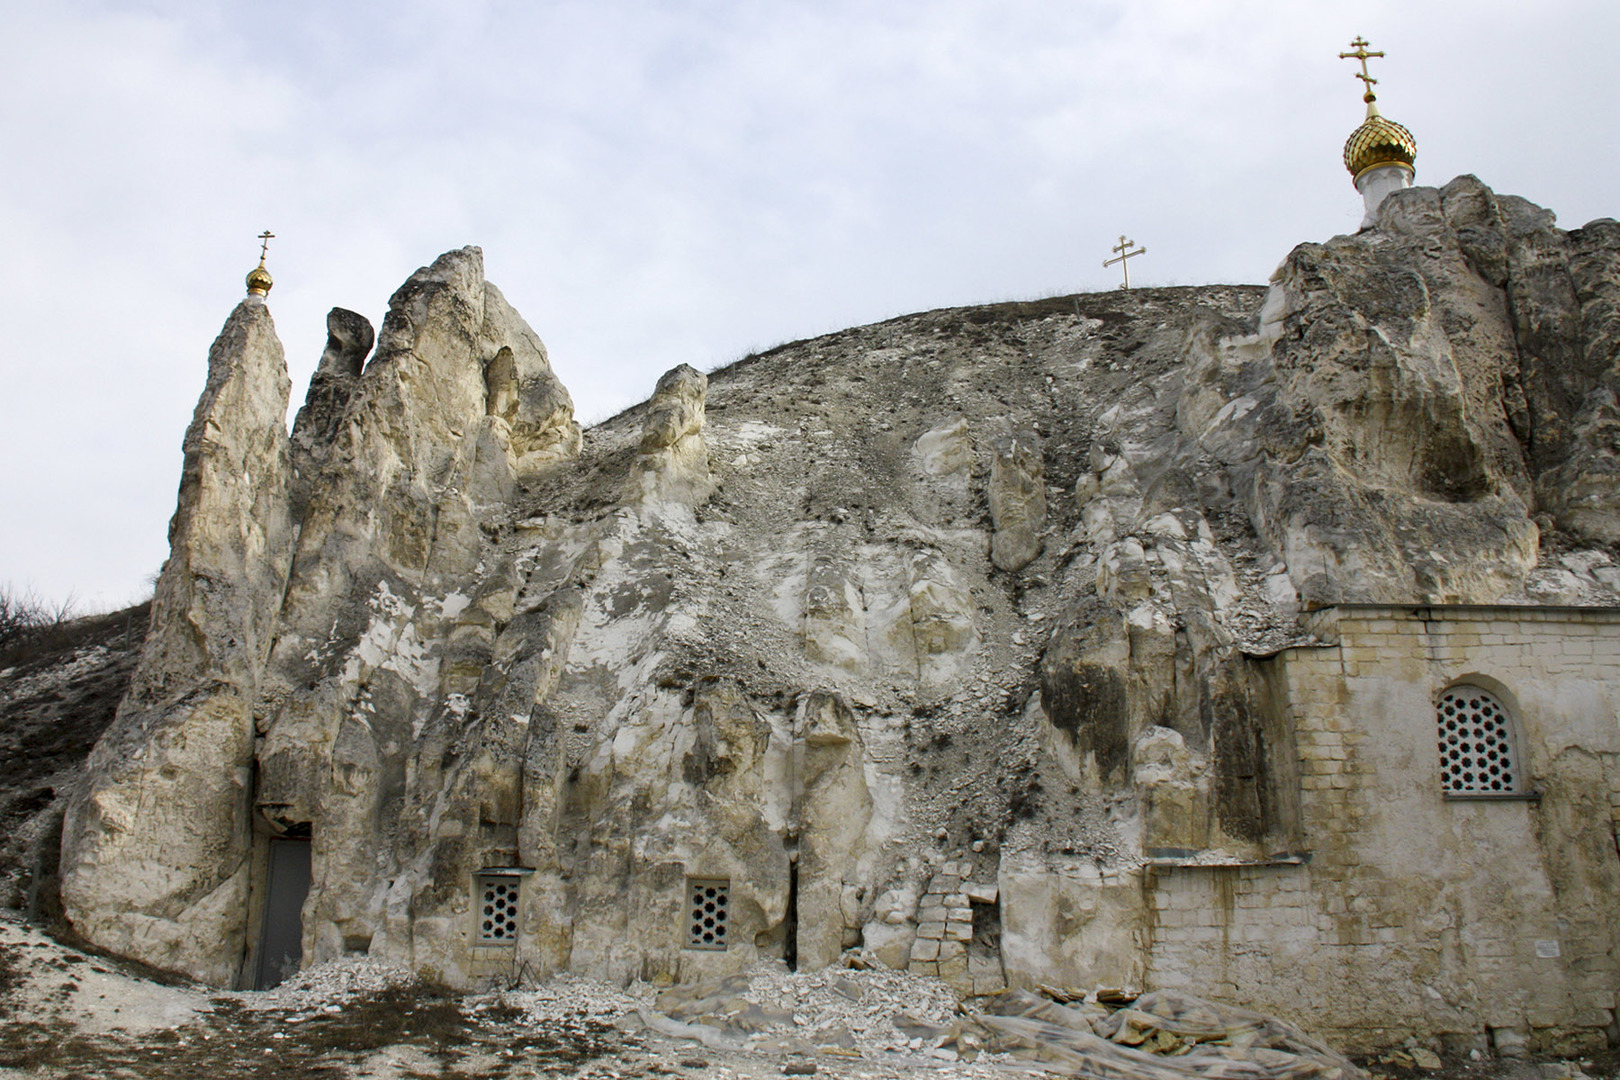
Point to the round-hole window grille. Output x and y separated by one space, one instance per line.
708 914
1476 745
497 909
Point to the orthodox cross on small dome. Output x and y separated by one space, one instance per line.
259 280
1361 53
1123 247
1380 155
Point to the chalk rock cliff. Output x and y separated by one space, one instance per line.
893 631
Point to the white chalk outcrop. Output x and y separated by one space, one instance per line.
930 638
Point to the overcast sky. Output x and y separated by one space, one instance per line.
659 183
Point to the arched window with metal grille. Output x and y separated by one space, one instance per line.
1478 754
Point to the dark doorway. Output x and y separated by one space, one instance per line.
281 945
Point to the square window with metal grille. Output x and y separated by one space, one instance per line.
1476 744
709 913
497 909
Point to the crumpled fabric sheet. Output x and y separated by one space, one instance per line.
706 1034
1212 1042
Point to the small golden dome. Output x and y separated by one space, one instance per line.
259 280
1378 141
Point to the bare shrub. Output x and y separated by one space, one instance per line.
28 623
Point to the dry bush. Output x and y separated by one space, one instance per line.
28 623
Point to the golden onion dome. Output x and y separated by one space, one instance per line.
1378 141
259 280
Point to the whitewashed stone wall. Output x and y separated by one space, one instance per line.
1218 930
1483 917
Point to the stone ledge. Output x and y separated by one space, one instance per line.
1507 796
1184 859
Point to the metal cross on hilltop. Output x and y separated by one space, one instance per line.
1361 53
1123 247
264 244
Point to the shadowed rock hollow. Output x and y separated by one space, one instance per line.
926 637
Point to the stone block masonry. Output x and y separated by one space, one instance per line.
1499 909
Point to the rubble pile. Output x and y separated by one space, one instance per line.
843 1012
565 997
896 1016
333 983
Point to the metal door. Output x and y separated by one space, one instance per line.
281 945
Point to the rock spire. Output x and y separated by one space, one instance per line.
156 850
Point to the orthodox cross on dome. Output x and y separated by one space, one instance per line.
1361 53
1123 247
259 280
1380 154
